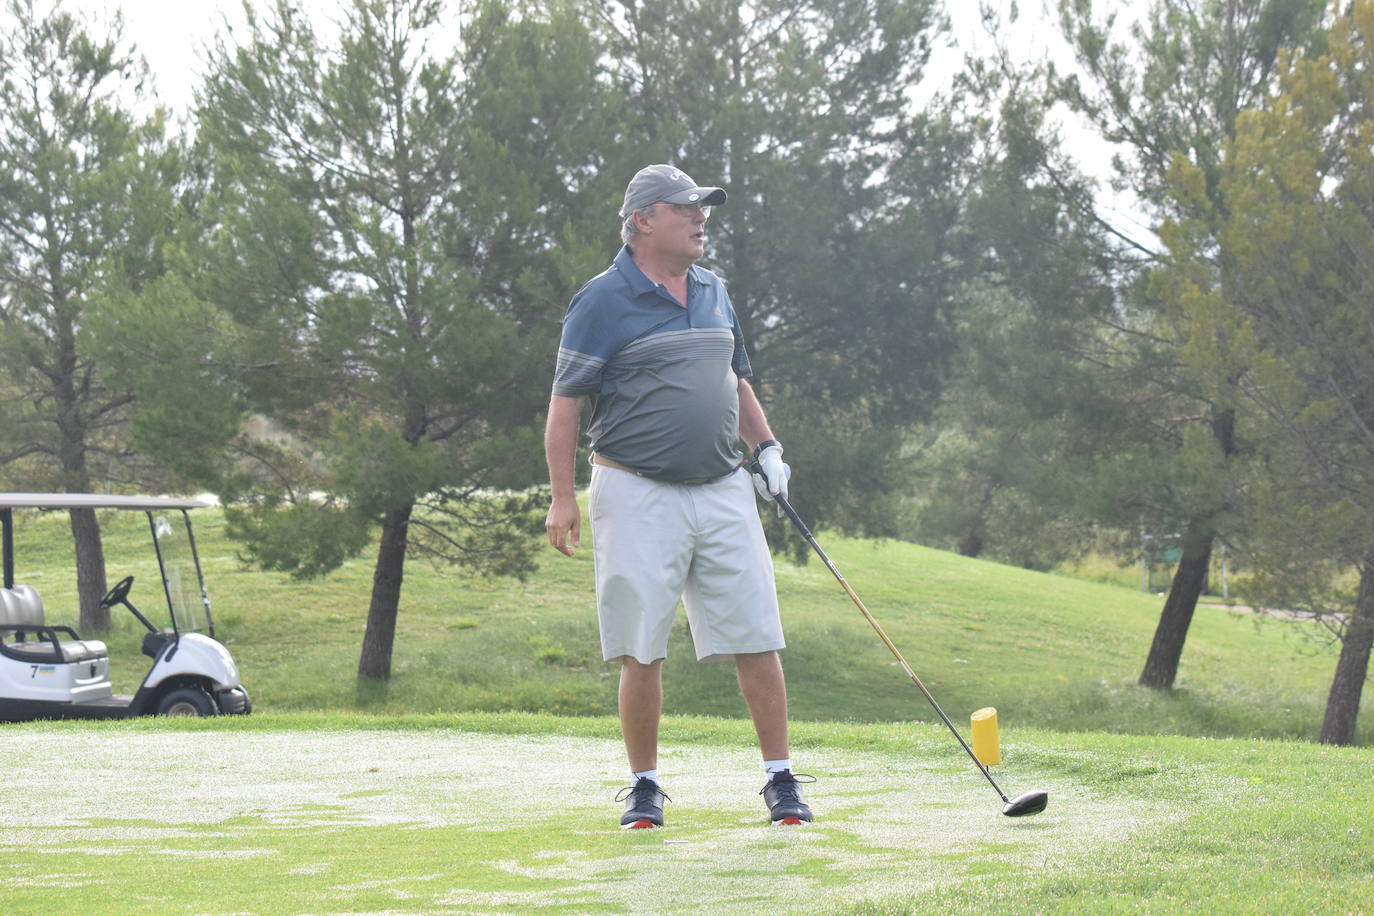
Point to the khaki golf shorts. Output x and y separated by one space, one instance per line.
656 543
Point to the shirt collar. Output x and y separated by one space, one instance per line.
625 263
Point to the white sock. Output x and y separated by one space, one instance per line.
647 774
776 766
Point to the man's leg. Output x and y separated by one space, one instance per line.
641 707
765 691
761 682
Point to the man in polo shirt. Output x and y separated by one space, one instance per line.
654 343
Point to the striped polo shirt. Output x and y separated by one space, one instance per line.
662 379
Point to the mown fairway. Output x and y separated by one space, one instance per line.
481 778
302 814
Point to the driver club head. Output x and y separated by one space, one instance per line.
1032 802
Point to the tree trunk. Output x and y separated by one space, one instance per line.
90 551
1343 702
970 545
1161 666
90 570
380 635
76 478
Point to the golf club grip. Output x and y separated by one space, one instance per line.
882 634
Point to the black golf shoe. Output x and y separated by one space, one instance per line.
643 804
783 796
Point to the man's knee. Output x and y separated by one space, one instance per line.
755 661
629 662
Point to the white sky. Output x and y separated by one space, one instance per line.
168 33
171 34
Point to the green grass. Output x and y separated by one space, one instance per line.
411 796
290 813
1047 650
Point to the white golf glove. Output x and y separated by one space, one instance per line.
771 480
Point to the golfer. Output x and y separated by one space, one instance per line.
654 343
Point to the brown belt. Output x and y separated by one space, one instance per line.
691 482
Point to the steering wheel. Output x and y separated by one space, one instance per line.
117 594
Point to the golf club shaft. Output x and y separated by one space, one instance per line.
810 539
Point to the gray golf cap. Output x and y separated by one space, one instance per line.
655 183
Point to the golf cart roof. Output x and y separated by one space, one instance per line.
95 501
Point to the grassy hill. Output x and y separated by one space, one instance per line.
1048 651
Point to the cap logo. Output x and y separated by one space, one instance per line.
694 197
675 175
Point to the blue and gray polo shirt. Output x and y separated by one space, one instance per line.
662 379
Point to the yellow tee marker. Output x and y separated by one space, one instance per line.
985 742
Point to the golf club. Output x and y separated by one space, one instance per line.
1032 802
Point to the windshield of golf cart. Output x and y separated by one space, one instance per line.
180 572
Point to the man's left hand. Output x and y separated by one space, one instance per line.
771 478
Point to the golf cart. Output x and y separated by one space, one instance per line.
50 672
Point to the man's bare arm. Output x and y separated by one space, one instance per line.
564 522
753 425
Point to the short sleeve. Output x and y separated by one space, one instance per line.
580 365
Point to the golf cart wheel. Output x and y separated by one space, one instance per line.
187 701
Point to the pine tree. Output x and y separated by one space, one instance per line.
844 201
393 231
1285 332
1174 88
86 193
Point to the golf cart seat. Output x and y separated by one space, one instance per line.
21 616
